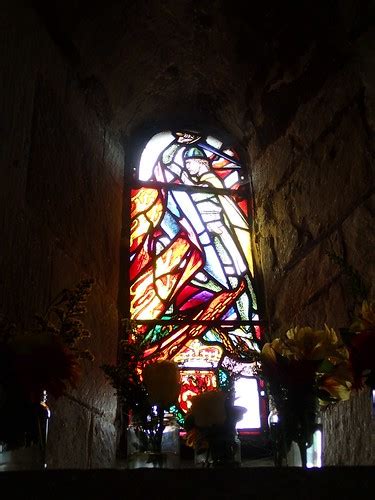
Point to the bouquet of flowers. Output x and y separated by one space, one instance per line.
211 428
146 392
359 337
39 360
305 370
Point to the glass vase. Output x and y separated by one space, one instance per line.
297 454
24 435
301 455
146 450
221 451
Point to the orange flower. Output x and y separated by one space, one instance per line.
337 383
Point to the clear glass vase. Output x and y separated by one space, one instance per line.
221 451
311 456
297 454
145 449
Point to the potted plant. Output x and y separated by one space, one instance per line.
35 362
305 370
146 392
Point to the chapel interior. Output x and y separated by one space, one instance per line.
85 84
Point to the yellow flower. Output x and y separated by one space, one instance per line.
268 353
305 343
162 381
208 408
268 358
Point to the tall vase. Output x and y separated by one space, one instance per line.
23 442
297 452
153 448
308 455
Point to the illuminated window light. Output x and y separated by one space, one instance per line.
247 395
314 453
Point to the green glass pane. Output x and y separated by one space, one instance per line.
223 379
178 413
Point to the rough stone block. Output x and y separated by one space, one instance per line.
358 230
318 114
102 322
114 157
301 285
330 308
70 190
274 166
69 435
275 223
347 431
103 448
329 183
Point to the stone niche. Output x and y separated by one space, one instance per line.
293 85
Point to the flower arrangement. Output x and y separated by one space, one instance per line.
305 370
42 359
211 428
125 376
146 392
308 370
359 337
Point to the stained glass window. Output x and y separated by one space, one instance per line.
192 282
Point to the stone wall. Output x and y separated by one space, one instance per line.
61 203
314 191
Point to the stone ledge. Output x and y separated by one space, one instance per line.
245 482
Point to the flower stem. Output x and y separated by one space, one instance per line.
160 429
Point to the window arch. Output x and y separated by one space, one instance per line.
192 278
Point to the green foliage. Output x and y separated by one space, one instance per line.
125 377
42 357
62 317
61 320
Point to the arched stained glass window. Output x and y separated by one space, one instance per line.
192 291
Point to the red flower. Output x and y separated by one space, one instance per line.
292 373
42 362
362 356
